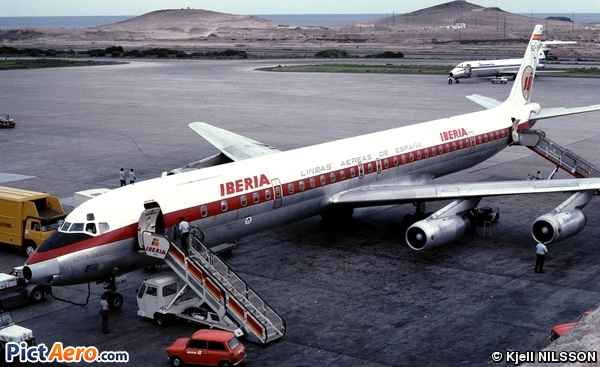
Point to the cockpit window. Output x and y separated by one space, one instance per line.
76 227
65 226
90 228
103 226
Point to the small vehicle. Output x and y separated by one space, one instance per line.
561 329
15 290
6 122
207 347
499 80
166 297
9 332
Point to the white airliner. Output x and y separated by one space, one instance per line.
262 187
502 67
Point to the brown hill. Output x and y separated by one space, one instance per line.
462 21
189 21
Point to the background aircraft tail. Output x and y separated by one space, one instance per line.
521 90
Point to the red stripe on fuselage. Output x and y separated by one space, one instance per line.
119 234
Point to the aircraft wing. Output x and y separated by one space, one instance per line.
398 194
234 146
485 102
562 111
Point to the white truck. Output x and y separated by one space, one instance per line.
167 297
9 332
15 290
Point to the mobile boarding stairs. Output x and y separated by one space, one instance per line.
216 284
537 141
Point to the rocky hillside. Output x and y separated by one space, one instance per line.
189 21
463 21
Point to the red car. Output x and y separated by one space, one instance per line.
207 347
561 329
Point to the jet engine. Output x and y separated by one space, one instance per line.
436 232
564 221
444 226
553 227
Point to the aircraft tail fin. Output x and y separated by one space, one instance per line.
521 90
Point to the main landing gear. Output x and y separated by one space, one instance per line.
420 213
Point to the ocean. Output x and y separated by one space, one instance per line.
77 22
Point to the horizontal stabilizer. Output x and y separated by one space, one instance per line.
562 111
485 102
398 194
234 146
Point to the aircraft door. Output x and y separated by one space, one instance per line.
472 142
278 194
468 69
378 165
152 221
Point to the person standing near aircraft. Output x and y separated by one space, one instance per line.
184 229
105 311
131 177
122 177
450 80
541 251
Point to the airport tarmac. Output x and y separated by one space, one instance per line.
351 295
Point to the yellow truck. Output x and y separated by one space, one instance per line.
27 218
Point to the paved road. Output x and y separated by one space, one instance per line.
352 295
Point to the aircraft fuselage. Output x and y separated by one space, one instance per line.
233 200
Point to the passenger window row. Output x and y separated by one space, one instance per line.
379 165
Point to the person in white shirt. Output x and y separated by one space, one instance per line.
122 177
541 251
131 177
184 229
105 311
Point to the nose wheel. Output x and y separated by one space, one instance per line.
115 299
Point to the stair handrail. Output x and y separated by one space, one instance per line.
248 292
197 260
580 165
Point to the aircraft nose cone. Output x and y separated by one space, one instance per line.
451 74
42 272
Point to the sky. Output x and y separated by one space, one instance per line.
14 8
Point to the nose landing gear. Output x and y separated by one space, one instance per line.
115 299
